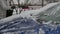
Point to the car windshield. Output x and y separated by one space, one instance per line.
53 13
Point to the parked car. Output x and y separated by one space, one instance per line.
51 14
48 14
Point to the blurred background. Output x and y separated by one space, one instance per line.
10 7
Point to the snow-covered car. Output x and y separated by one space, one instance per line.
48 14
51 14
